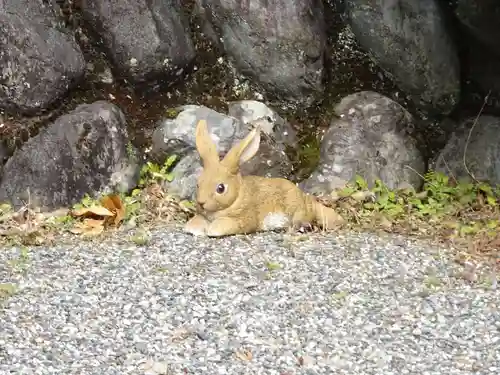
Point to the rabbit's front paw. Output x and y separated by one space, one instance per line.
197 226
223 227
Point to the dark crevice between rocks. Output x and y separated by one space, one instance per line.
475 93
471 50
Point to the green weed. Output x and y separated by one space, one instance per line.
152 172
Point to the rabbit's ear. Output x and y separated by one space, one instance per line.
204 144
243 151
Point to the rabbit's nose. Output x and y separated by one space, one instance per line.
201 203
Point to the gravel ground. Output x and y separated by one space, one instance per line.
263 304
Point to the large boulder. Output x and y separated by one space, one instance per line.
472 151
369 137
177 137
83 152
147 41
39 59
411 42
280 44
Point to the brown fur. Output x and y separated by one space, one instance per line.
247 201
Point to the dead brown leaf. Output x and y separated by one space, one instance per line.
155 190
244 355
96 218
115 205
304 360
89 227
92 211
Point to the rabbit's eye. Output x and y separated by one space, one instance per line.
220 189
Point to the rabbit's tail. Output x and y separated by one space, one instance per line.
326 217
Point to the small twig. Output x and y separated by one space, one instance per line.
422 177
470 132
449 171
415 171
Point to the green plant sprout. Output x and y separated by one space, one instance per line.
152 172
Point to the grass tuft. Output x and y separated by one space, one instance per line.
464 214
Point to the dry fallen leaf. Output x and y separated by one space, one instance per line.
92 211
96 218
115 205
301 361
244 355
89 227
155 190
304 360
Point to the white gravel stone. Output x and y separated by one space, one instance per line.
261 304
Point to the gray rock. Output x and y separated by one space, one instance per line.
83 152
481 20
147 41
185 173
370 138
410 41
177 136
279 43
482 156
255 112
39 59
